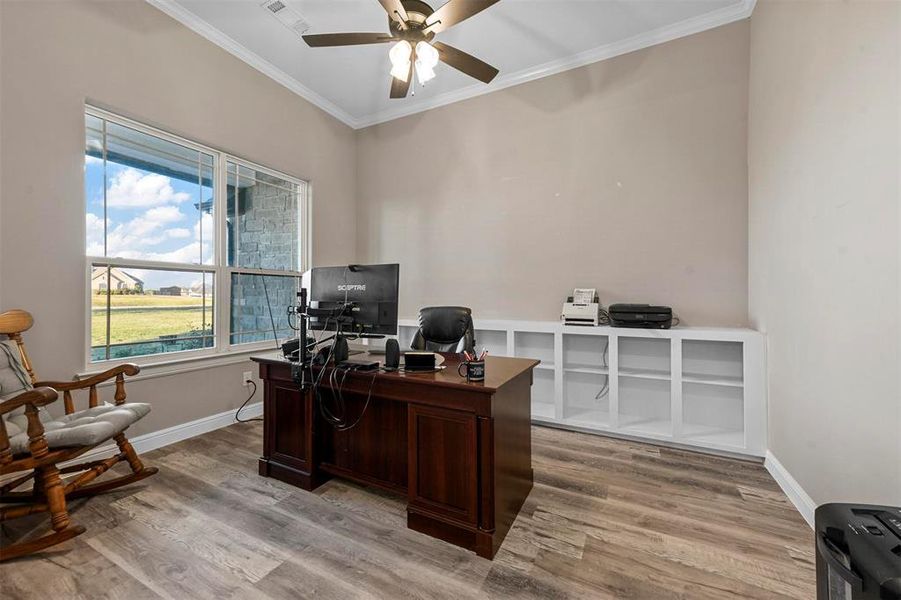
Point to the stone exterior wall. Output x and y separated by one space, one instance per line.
250 312
265 237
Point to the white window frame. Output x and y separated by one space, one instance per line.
221 271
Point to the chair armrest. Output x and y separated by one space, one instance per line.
129 369
39 396
90 384
31 400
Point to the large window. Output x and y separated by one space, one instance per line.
188 249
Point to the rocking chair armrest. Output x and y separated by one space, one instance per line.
39 396
129 369
31 400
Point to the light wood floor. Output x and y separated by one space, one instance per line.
606 519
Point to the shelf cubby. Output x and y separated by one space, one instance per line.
713 361
644 357
495 341
586 354
645 406
586 398
713 414
543 404
534 344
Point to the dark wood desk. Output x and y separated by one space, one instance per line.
460 452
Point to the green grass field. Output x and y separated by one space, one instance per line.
165 315
99 300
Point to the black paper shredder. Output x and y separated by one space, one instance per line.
858 550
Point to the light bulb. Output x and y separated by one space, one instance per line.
426 59
400 59
424 73
426 54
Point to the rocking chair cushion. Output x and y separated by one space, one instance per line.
87 427
13 378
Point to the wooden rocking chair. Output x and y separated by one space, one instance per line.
34 442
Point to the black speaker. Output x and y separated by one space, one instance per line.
341 350
392 355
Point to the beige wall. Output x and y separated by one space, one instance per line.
824 240
628 175
131 58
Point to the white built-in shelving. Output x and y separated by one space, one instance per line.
689 386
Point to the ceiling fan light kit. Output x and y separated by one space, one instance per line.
412 27
426 60
400 60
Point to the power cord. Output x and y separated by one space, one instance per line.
238 412
605 389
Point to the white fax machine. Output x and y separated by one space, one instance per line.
583 308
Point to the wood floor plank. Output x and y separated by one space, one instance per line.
169 569
220 544
606 519
77 573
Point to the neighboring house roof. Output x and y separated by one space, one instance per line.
117 274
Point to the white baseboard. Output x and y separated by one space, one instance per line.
177 433
801 499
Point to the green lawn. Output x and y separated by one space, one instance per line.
165 315
99 300
134 326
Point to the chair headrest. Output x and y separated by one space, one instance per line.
444 324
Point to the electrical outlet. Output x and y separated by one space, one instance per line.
248 376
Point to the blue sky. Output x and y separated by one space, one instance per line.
149 217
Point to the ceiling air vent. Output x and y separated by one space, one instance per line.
287 16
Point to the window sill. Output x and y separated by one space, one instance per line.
166 368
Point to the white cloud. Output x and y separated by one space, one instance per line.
205 226
94 235
92 160
131 188
164 214
179 233
186 254
137 237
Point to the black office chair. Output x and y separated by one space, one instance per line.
445 329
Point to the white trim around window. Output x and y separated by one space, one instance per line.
222 351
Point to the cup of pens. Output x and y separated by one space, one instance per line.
473 366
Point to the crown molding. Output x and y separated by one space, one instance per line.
691 26
717 18
204 29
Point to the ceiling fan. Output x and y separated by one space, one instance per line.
412 27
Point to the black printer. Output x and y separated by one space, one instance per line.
645 316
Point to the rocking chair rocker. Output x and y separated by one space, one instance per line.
34 442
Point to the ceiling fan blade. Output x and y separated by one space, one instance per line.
455 11
396 11
465 63
319 40
400 88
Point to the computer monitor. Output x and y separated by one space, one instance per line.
355 298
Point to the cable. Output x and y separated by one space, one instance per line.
365 405
271 318
605 389
338 421
238 412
